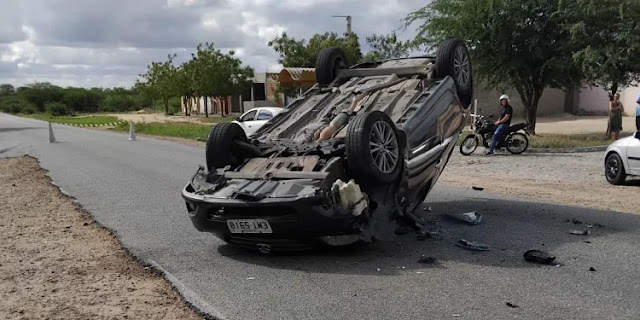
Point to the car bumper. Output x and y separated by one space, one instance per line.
296 224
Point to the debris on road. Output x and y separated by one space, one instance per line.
580 232
586 241
538 256
574 221
471 245
251 278
427 260
424 235
477 188
592 269
511 305
472 218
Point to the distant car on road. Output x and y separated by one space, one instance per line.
255 118
622 158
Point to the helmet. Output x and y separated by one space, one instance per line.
504 96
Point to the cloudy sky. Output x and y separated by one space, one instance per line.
109 42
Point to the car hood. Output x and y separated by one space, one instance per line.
621 143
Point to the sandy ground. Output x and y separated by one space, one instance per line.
57 264
571 179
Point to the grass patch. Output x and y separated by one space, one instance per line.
552 140
82 119
549 140
176 129
217 119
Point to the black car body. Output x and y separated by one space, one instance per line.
346 162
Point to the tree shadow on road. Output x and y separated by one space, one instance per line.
510 228
3 130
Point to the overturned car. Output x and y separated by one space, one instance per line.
348 161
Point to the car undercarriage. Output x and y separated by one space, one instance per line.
348 161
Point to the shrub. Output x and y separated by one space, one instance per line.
57 109
12 104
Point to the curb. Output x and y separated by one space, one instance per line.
113 124
567 150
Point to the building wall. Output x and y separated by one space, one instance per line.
552 101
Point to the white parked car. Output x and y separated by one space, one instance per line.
622 159
255 118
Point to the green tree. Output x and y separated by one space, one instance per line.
218 75
606 37
40 93
6 89
513 43
82 100
161 77
300 54
386 47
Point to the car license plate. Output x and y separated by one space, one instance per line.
249 226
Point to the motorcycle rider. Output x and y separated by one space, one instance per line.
503 123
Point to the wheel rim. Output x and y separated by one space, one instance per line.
461 66
517 143
613 167
384 147
469 145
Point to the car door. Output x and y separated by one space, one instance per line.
247 122
633 155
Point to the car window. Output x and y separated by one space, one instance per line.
249 116
265 115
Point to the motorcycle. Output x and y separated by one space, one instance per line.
515 141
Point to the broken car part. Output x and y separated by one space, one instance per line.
538 256
472 218
471 245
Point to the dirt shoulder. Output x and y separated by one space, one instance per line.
57 264
569 179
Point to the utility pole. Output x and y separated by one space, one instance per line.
348 23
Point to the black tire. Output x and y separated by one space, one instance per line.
517 150
473 140
453 59
614 169
221 150
329 62
359 152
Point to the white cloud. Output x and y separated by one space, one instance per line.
106 43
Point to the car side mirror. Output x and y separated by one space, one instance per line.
238 119
637 135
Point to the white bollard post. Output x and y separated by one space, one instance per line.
52 138
132 132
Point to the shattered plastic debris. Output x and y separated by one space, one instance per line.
419 272
378 269
592 269
427 260
424 235
511 305
472 218
471 245
574 221
580 232
477 188
538 256
251 278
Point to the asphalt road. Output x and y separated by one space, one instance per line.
133 187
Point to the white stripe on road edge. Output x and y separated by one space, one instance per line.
188 295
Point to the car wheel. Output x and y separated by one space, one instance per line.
221 150
517 143
453 59
469 145
373 149
329 62
614 169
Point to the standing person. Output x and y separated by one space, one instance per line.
615 116
503 123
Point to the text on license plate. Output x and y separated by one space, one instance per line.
249 226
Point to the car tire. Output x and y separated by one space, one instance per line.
614 169
514 150
381 165
220 149
473 146
329 62
453 59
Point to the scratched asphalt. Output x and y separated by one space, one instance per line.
133 187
